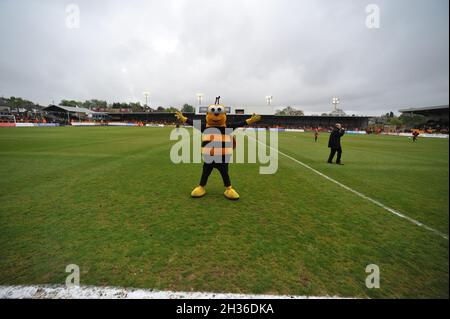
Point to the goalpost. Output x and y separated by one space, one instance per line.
12 118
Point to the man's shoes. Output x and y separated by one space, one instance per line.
339 163
330 162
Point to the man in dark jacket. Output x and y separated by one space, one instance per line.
334 143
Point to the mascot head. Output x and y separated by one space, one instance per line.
216 116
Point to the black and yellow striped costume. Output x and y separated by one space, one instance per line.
217 148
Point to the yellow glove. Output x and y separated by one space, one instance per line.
253 119
180 117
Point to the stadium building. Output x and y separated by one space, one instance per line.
238 114
64 115
436 117
241 110
60 112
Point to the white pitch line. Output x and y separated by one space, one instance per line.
95 292
373 201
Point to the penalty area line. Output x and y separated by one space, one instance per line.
361 195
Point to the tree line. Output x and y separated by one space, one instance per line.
18 103
133 106
406 120
290 111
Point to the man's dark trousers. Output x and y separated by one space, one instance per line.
333 152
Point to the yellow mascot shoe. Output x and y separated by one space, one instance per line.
230 193
199 191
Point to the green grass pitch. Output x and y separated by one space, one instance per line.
110 200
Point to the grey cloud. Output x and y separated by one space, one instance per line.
301 52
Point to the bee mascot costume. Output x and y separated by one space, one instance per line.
217 146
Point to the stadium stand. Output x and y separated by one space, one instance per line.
436 117
68 113
297 122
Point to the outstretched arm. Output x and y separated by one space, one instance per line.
255 118
183 119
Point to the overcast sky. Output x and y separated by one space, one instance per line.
302 53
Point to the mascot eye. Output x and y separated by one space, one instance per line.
219 109
213 110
